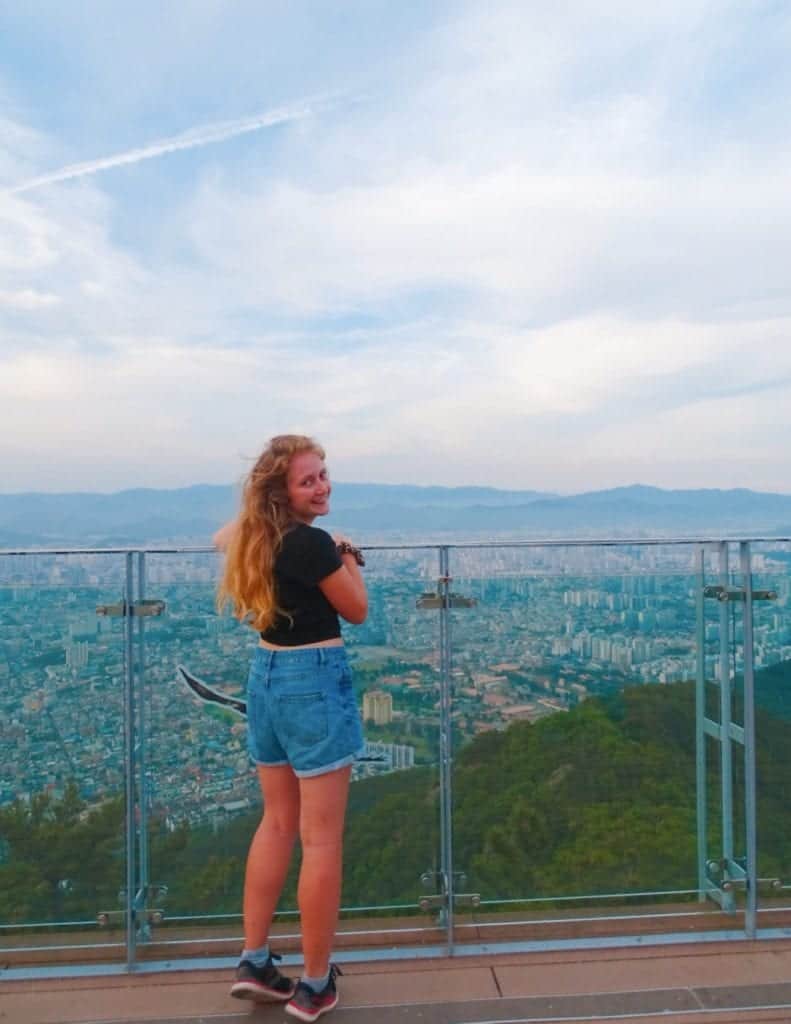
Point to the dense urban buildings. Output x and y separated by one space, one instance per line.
546 629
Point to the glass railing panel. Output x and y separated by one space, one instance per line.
573 676
203 802
574 783
771 564
392 852
62 790
194 787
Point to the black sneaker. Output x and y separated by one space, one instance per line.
263 984
309 1005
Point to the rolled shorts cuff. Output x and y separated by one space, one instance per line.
268 764
343 762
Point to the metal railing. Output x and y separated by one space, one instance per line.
727 876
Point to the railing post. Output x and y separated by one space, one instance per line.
142 756
751 866
445 745
726 756
700 715
129 750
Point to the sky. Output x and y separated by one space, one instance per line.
522 245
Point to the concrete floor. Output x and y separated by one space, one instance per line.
680 984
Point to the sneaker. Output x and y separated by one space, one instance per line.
263 984
309 1005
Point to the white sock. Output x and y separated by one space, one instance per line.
257 957
317 984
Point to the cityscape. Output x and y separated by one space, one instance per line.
534 631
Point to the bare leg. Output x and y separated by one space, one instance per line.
270 852
323 799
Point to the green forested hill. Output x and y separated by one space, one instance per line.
601 799
773 689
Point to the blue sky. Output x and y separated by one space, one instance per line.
525 245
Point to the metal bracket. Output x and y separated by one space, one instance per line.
135 609
433 599
144 916
718 732
110 918
730 875
436 879
155 890
725 594
439 900
460 899
741 883
720 872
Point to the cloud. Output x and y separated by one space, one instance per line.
27 242
201 136
485 405
535 409
68 285
541 250
27 299
513 243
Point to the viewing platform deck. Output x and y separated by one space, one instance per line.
725 982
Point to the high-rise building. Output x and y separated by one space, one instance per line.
77 655
390 757
378 707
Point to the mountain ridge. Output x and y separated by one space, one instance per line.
191 514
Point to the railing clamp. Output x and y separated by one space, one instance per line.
434 599
134 609
725 594
730 875
143 916
436 879
111 918
439 900
775 884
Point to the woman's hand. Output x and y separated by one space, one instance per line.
345 547
345 588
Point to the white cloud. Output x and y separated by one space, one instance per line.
27 242
546 246
27 299
544 251
718 441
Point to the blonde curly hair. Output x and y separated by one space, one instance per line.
248 580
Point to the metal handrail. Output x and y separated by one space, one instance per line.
537 542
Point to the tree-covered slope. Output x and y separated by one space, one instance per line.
598 800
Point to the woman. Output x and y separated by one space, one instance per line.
290 581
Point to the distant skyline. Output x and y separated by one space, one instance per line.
539 247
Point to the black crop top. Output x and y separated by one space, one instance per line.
306 557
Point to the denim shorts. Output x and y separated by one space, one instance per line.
301 710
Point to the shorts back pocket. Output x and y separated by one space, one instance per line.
303 718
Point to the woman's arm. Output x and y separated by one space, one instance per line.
345 590
222 538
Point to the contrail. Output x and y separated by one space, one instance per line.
201 136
